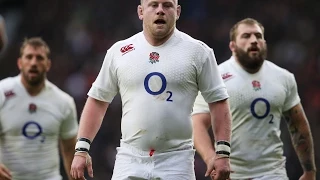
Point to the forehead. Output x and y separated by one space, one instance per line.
248 28
34 50
160 1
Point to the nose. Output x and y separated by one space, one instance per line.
253 39
160 10
33 61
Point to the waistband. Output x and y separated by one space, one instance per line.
151 152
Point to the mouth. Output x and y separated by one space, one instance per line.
33 72
253 49
160 22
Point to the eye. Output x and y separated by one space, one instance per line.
40 58
29 56
258 35
168 5
154 5
245 35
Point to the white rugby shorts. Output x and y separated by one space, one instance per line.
134 164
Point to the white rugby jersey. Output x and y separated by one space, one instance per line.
30 127
257 102
158 86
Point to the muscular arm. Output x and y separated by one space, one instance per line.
67 151
221 120
301 137
91 118
3 34
90 122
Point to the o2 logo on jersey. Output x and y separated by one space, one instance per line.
265 114
32 130
163 85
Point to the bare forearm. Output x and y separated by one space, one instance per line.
301 137
91 118
67 151
67 163
202 140
221 120
3 34
303 144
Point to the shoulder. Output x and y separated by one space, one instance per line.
277 70
225 65
8 83
124 46
191 43
7 89
279 74
63 97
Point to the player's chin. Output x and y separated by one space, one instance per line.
33 77
161 32
34 80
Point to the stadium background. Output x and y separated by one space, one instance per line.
79 32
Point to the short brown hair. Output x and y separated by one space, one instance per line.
35 42
141 1
249 21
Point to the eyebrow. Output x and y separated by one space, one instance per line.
36 55
251 33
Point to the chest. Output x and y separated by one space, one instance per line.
256 93
30 117
156 68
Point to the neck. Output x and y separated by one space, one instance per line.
33 90
157 41
249 70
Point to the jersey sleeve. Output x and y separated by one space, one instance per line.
2 98
200 105
210 82
292 96
69 126
105 87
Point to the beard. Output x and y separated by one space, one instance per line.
254 61
34 81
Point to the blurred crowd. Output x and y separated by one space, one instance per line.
79 33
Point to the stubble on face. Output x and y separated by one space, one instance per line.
159 19
33 71
248 59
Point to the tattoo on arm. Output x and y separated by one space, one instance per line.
301 137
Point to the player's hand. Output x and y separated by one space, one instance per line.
5 174
81 160
221 169
210 166
310 175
